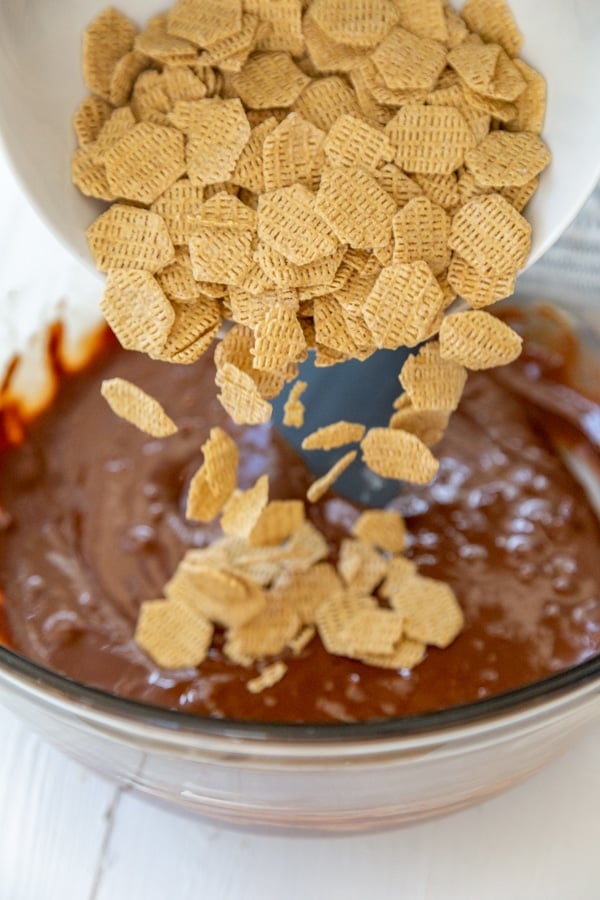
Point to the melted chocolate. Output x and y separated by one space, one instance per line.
93 525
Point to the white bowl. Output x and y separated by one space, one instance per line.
41 85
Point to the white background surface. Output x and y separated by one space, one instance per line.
65 834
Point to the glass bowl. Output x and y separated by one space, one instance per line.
344 777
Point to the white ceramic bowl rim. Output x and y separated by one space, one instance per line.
528 696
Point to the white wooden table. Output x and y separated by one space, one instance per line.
66 834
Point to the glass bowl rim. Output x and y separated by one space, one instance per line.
413 725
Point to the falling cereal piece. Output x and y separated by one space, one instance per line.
109 37
323 101
278 340
269 80
421 232
135 307
361 24
426 18
244 509
531 103
89 175
335 435
357 209
405 306
431 140
405 656
145 162
172 634
218 133
269 676
361 566
89 117
241 398
125 74
126 237
479 288
277 522
215 481
429 425
204 22
492 20
409 62
293 410
430 610
131 403
292 154
431 381
398 454
491 235
290 222
506 159
320 487
478 340
383 528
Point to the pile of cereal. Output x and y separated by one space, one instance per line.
327 177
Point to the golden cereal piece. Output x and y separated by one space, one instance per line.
491 235
269 80
204 22
126 237
131 403
135 307
335 435
429 609
405 305
431 140
356 208
363 23
408 62
320 487
172 634
145 162
109 37
398 454
432 382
